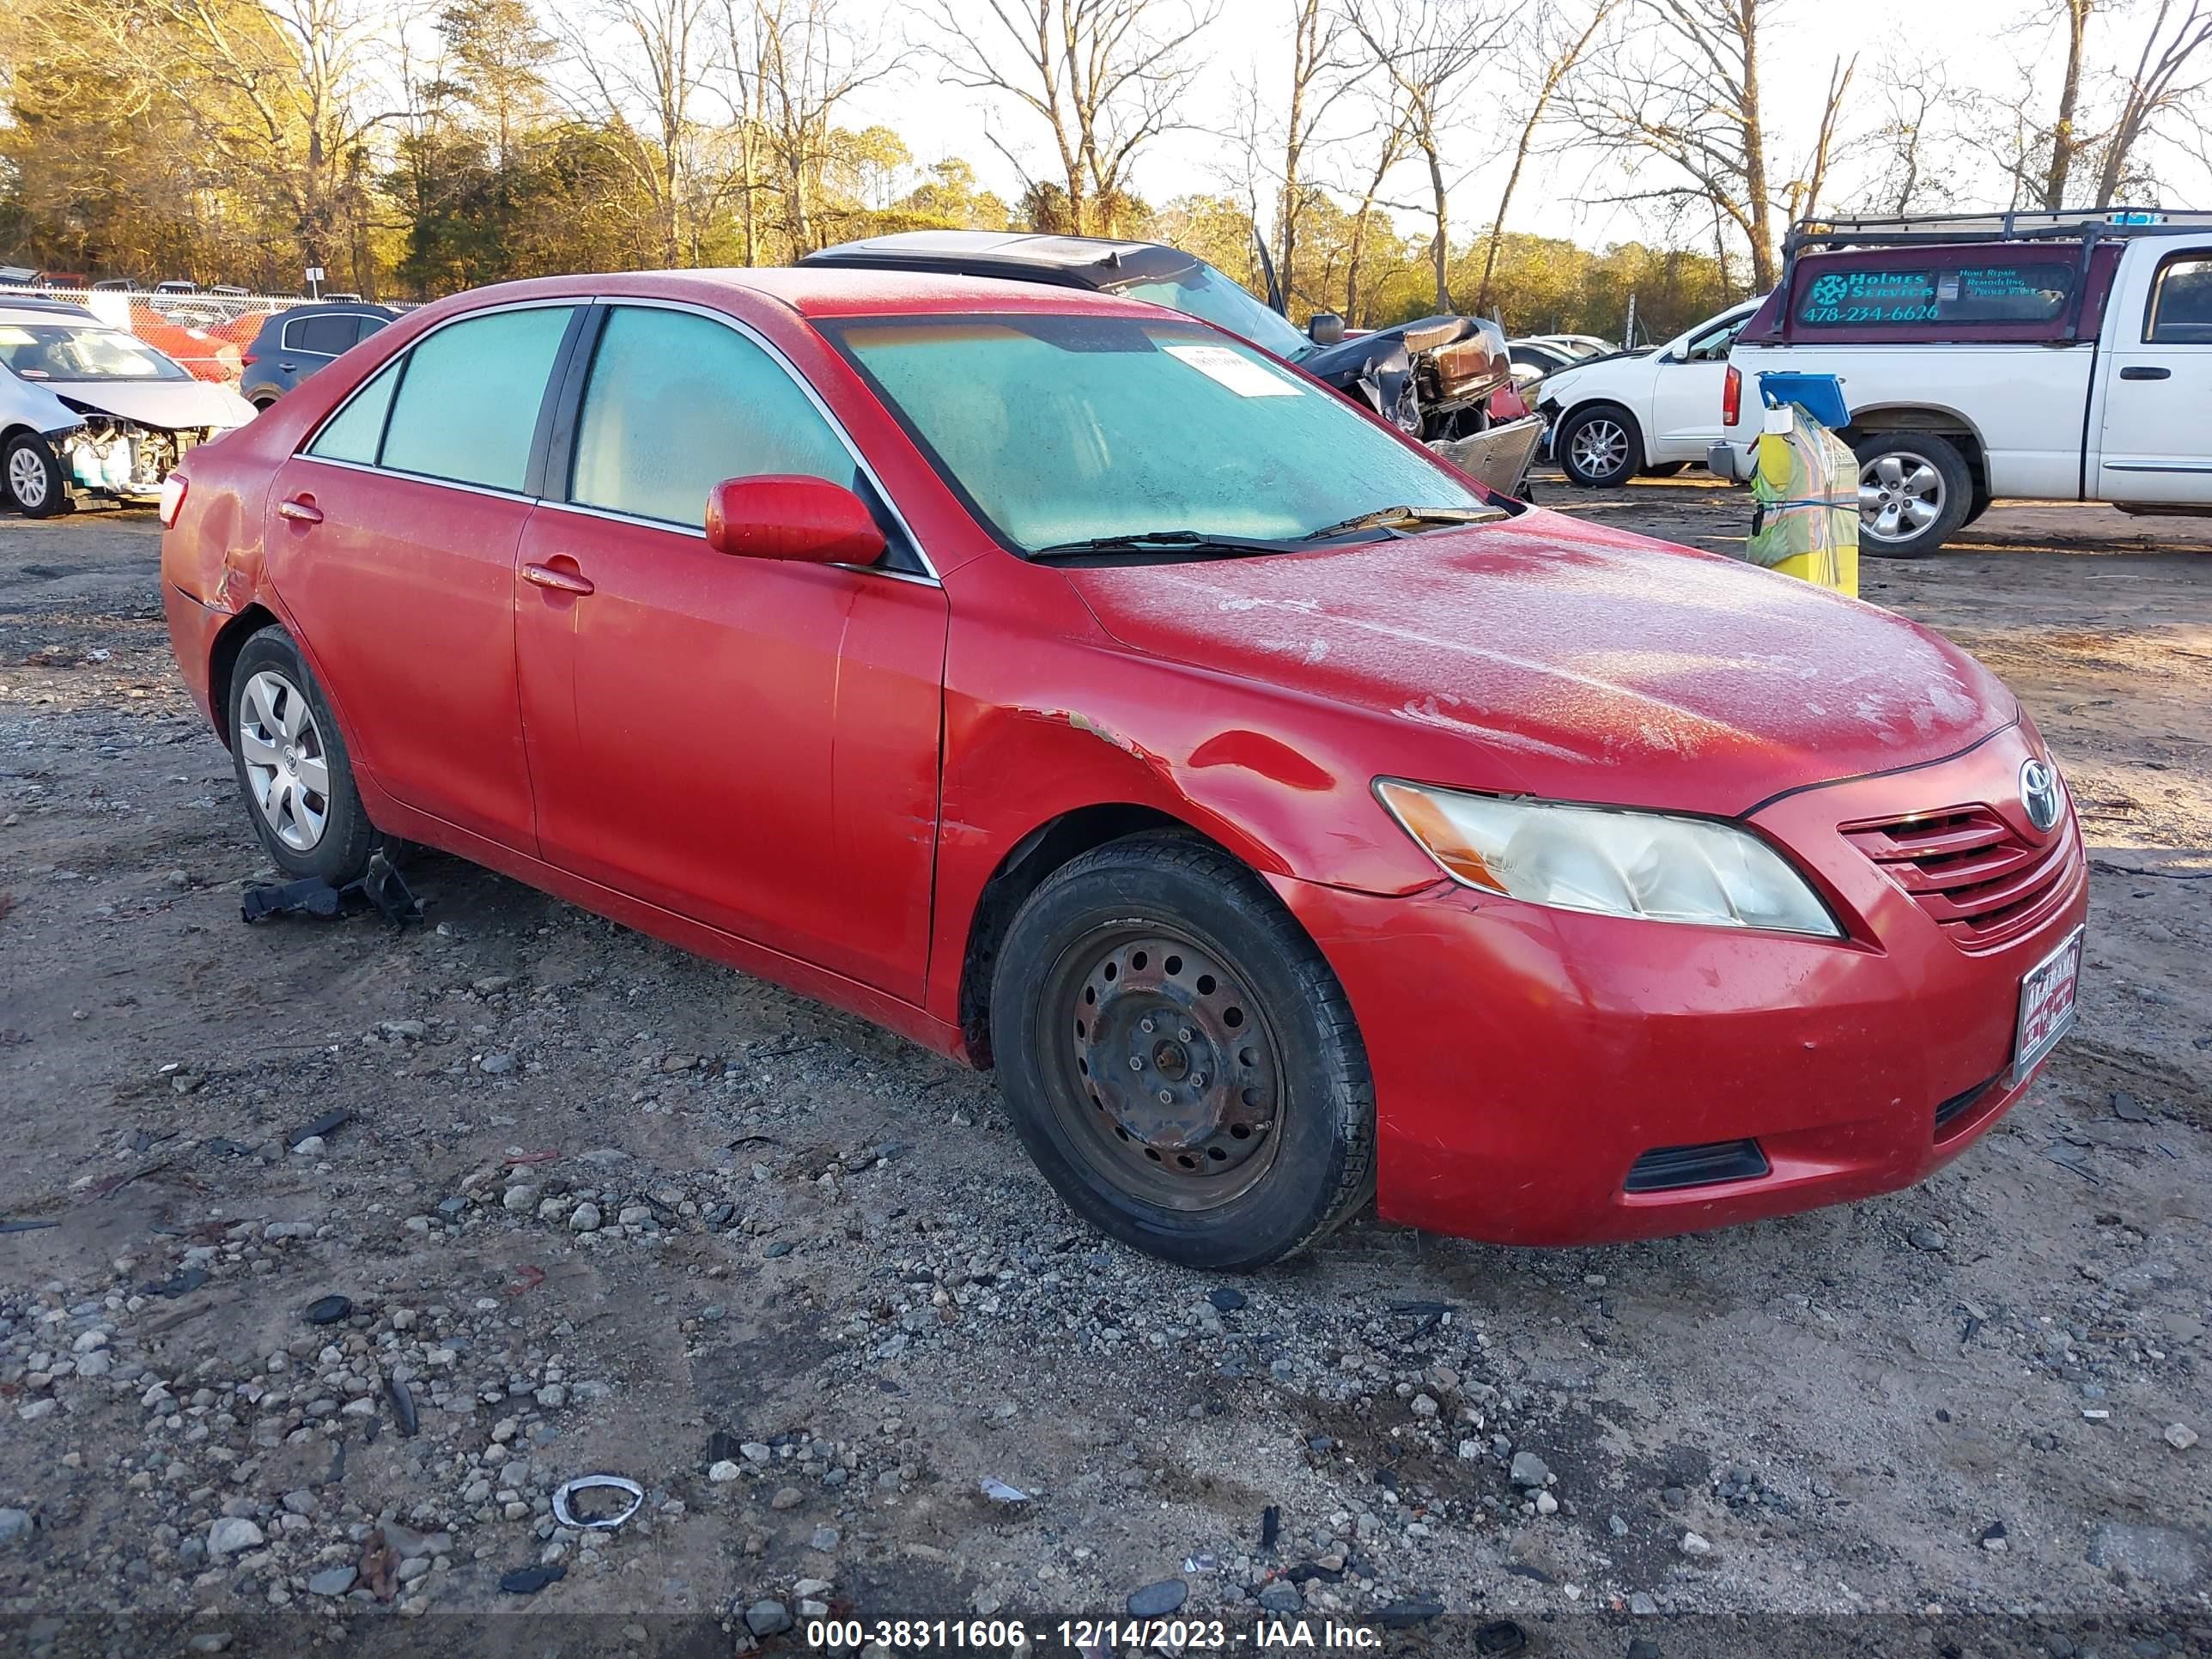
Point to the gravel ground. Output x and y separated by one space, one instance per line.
586 1204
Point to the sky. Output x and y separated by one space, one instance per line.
1977 42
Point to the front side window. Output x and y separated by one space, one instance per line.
2181 303
1058 428
2035 292
81 351
676 403
466 409
1712 345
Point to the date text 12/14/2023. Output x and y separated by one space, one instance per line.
987 1638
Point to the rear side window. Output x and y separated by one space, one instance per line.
467 406
676 403
2034 292
2181 302
365 326
355 432
327 336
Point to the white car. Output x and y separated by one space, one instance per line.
1614 417
86 410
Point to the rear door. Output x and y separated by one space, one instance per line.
2156 434
1685 393
746 742
391 540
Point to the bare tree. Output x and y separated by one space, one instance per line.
645 64
1105 76
2167 75
1682 87
2065 141
1911 143
1567 47
1389 133
1321 74
1804 194
1427 48
808 61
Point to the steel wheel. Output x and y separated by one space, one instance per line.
288 772
1900 495
1601 447
1162 1066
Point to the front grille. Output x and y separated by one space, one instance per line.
1949 1112
1983 883
1666 1168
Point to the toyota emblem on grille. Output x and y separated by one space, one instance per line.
2039 793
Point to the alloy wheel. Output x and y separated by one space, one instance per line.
1601 447
1900 495
1164 1072
26 477
287 771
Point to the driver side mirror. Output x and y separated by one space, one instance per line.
792 517
1325 328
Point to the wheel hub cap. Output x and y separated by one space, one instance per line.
1900 495
286 771
1171 1083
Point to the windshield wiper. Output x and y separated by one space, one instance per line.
1164 541
1395 515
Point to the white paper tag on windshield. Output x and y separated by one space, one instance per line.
1242 376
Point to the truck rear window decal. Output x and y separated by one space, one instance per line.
2034 293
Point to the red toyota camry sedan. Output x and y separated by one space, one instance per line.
1082 692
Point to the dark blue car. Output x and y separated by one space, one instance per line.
293 345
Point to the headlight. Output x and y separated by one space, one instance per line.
1612 863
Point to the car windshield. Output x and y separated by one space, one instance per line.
1205 293
1069 427
77 351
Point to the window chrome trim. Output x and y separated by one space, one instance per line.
572 302
421 478
829 416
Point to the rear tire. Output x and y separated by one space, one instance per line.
32 474
1179 1058
291 764
1598 448
1914 492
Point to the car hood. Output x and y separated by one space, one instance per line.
168 403
1552 657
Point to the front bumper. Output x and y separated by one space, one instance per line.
1525 1059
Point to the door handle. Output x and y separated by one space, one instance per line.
561 581
2145 372
300 509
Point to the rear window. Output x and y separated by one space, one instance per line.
2036 292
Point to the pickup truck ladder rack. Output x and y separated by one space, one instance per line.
2087 226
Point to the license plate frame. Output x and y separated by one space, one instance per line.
2036 1028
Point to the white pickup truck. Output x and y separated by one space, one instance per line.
2047 356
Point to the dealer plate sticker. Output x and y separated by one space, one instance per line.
2046 1005
1236 371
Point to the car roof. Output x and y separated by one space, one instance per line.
1090 261
810 291
29 310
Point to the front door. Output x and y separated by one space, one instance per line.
749 743
1686 395
391 537
2157 432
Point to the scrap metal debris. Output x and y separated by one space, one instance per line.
568 1517
528 1581
403 1406
382 889
329 1310
999 1492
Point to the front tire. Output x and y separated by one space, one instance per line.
290 761
1179 1058
1598 448
1914 492
37 487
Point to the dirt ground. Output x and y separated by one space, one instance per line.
599 1206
